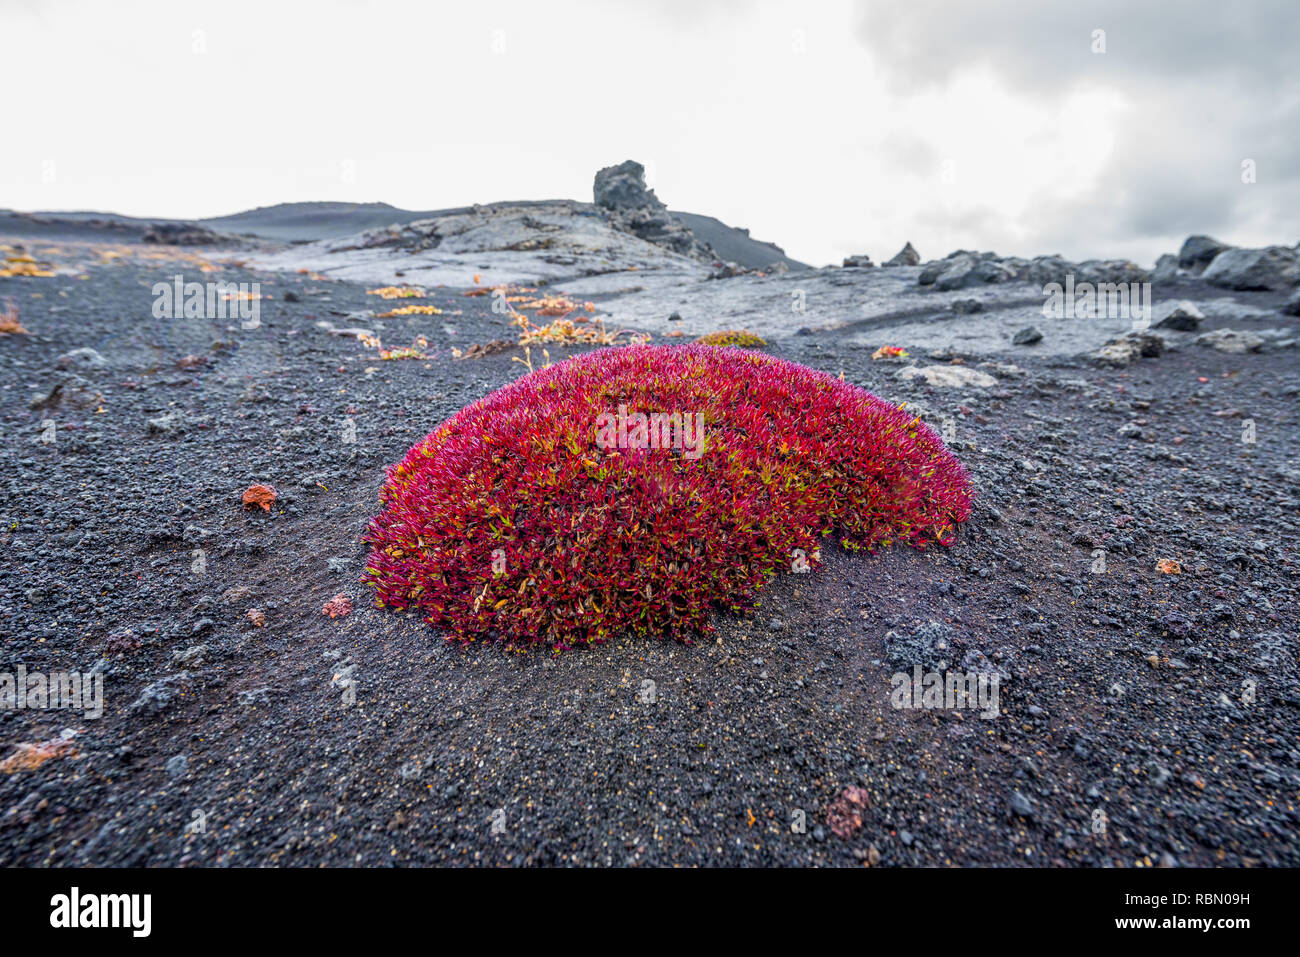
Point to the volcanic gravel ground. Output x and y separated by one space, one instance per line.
368 740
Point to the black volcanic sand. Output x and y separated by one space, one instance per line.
1123 692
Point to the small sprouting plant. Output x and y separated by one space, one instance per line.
9 324
566 331
25 266
409 311
732 337
397 292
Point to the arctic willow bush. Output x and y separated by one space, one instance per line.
639 489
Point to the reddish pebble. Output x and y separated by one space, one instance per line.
340 606
263 495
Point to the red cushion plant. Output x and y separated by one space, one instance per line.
539 515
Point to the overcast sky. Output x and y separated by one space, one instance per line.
829 128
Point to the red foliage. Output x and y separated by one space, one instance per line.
511 522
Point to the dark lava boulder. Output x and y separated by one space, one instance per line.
1182 316
1270 267
1199 251
623 187
907 256
1292 305
181 234
634 208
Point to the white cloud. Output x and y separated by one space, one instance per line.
823 128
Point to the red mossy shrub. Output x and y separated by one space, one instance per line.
535 516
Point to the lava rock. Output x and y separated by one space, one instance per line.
169 424
623 187
1271 267
1182 316
1198 252
928 644
1021 806
1127 349
158 696
84 359
1233 341
180 234
1292 305
66 389
907 256
968 270
1166 269
191 656
633 208
949 377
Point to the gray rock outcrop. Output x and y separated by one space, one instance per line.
1198 252
633 208
181 234
907 256
1269 267
1182 316
964 269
